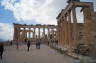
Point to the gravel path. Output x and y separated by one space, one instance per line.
43 55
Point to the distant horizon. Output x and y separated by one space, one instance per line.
4 41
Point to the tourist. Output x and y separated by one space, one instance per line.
11 43
1 49
38 44
28 45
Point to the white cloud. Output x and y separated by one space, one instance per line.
38 11
42 11
6 31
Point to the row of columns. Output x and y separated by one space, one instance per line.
24 35
67 32
67 26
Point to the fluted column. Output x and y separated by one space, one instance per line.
48 31
74 26
59 32
34 34
29 33
52 33
69 29
65 31
24 35
18 34
18 38
39 33
44 33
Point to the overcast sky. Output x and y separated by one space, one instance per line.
29 12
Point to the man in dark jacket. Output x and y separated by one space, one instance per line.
1 49
28 45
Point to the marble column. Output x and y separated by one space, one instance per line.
69 29
24 35
18 34
44 33
48 32
58 32
17 40
65 31
75 32
39 33
29 33
34 33
61 32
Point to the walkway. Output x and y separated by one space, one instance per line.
44 55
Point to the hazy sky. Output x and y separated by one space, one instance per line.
29 12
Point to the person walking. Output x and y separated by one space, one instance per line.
28 45
38 44
1 49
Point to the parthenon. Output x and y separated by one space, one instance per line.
31 33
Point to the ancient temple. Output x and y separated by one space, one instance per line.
24 33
